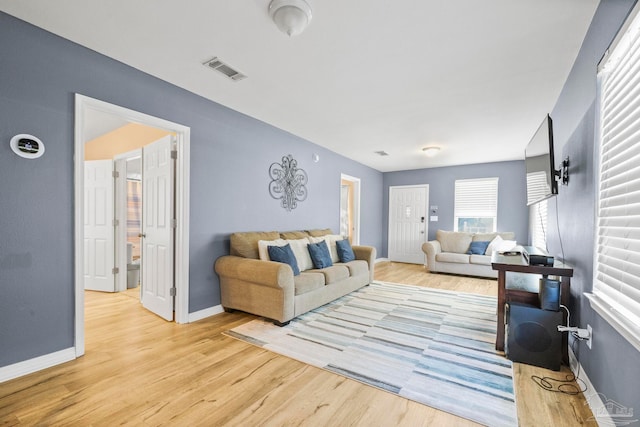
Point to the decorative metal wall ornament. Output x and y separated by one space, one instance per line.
288 182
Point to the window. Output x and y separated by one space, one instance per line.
476 205
616 287
538 224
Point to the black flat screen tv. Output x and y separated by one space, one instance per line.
538 159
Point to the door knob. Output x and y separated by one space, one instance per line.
142 235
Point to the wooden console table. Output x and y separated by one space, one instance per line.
524 289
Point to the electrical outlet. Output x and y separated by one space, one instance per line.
590 336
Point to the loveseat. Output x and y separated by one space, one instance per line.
465 253
251 282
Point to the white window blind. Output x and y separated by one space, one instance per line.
476 198
538 224
616 289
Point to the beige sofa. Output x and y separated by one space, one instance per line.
270 289
448 253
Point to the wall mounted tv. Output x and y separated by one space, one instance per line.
538 159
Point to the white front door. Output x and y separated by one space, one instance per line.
407 223
157 229
98 226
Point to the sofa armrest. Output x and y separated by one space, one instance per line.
366 253
431 249
264 288
265 273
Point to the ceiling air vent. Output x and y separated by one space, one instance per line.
381 153
216 64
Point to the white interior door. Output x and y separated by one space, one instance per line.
407 223
98 226
157 230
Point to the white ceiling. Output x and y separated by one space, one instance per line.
473 77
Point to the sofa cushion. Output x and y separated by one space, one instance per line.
294 235
345 253
301 252
308 281
452 257
506 235
454 241
478 247
480 259
320 254
319 233
263 247
357 267
246 244
285 255
334 274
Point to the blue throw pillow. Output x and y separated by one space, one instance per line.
285 255
478 248
345 253
320 254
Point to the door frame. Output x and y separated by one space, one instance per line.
356 205
183 138
426 210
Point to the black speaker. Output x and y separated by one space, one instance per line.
533 337
549 294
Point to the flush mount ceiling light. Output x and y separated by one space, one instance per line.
430 151
290 16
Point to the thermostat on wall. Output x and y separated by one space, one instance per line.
27 146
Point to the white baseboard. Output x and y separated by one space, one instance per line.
207 312
381 260
36 364
594 399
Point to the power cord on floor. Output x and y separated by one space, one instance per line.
571 383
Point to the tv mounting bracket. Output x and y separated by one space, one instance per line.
562 175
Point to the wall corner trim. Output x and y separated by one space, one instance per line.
207 312
36 364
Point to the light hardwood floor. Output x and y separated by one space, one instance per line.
140 370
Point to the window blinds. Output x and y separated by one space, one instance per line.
476 198
616 289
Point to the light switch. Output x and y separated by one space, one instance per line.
433 218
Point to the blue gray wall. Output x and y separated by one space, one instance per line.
612 365
513 214
230 157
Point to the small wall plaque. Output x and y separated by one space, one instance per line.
27 146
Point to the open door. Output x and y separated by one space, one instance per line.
99 233
158 227
350 208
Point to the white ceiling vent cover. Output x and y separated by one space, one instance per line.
216 64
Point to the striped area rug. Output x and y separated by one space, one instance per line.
431 346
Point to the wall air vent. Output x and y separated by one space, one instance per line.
381 153
216 64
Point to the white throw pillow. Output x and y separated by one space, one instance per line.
493 245
263 252
506 245
301 252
